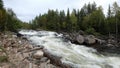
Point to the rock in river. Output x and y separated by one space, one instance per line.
90 39
80 39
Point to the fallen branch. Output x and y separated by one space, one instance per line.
38 48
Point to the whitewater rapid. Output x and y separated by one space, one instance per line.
77 55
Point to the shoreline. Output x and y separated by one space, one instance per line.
20 53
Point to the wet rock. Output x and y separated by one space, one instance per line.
90 39
38 46
38 54
80 39
54 59
108 66
19 35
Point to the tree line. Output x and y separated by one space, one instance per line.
8 19
89 18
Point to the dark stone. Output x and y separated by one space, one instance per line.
19 35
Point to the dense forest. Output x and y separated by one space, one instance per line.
9 20
89 18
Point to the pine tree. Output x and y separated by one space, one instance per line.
73 20
2 20
1 4
116 9
109 16
89 8
94 6
62 20
2 17
68 22
109 12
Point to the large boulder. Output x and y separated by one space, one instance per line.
90 39
39 54
80 39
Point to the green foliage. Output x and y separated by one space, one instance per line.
90 19
2 19
8 19
73 20
25 25
1 4
12 22
91 31
3 59
3 50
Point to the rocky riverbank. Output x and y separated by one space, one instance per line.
100 43
17 52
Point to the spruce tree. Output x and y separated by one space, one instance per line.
1 4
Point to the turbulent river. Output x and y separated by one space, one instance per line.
76 55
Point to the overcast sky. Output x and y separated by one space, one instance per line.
26 10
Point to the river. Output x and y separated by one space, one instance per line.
78 56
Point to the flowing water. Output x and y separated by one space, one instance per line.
76 55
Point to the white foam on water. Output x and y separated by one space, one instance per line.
77 55
26 32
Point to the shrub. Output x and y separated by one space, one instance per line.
3 59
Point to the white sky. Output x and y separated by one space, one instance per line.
26 10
